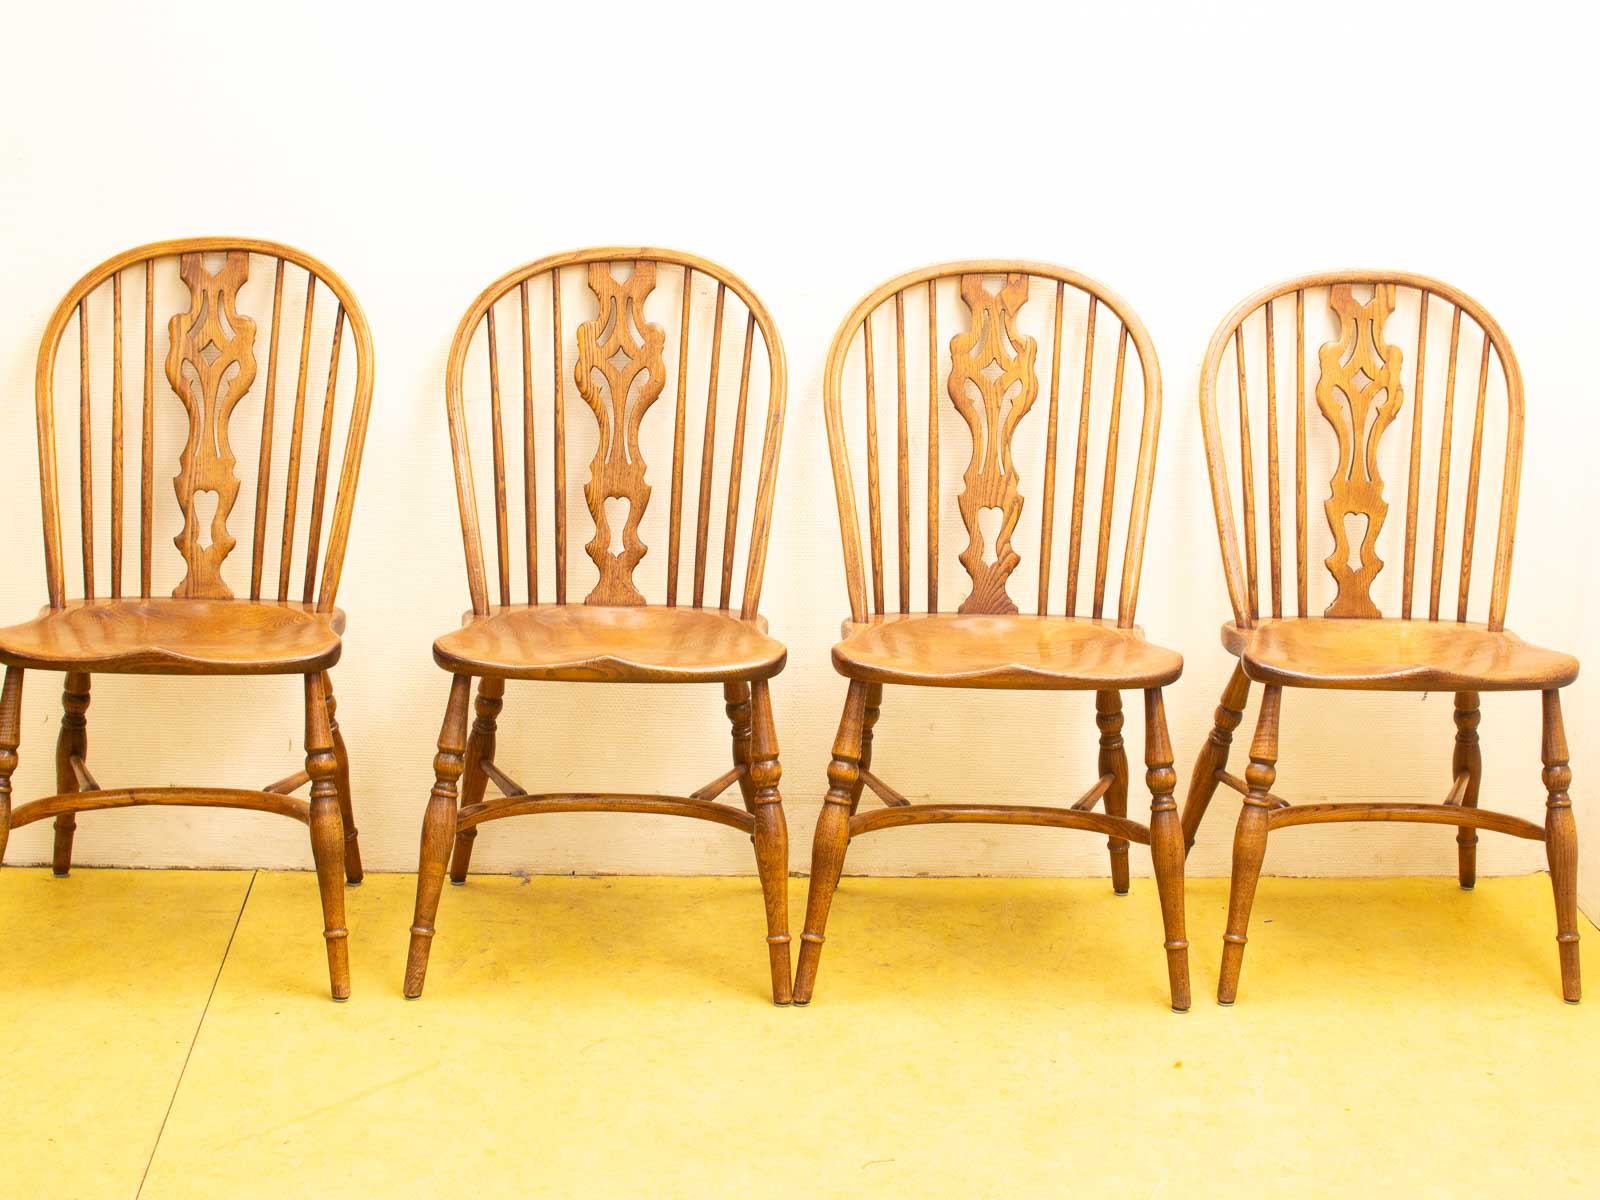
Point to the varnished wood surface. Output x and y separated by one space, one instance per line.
1394 655
163 636
596 643
1002 651
91 801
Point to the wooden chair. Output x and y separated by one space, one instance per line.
1362 390
211 362
612 634
993 382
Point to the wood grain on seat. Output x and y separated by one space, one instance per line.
595 643
1399 656
1002 651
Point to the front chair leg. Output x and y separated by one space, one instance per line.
1250 842
438 831
771 837
10 739
327 834
1468 760
1561 844
71 742
1166 844
1214 754
832 837
353 874
480 750
1114 762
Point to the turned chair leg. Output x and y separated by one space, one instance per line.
438 831
10 739
73 741
832 836
736 703
1468 759
1214 755
480 750
1250 842
1114 762
353 874
1166 844
327 834
1561 844
771 837
868 723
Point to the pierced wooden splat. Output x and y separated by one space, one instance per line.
210 366
1359 393
615 349
992 384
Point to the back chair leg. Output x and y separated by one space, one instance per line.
1214 755
869 721
771 837
832 837
1250 842
72 741
1166 844
1561 844
1468 759
480 750
353 874
327 834
438 831
10 739
736 698
1114 761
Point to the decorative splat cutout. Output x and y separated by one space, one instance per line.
1359 393
992 384
210 366
614 350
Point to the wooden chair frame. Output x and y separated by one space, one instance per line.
211 367
1361 391
989 360
621 346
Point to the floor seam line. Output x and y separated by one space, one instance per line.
198 1025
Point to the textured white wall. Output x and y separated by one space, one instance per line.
1182 155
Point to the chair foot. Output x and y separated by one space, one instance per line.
438 832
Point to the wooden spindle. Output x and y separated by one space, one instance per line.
319 488
1414 477
708 452
560 441
147 472
874 505
1080 468
1248 474
291 492
1301 554
1470 519
1274 514
258 548
1048 519
1442 496
675 517
530 471
1109 487
903 456
933 447
85 451
730 521
116 436
502 535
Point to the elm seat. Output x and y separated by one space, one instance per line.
1002 651
629 644
1396 656
167 636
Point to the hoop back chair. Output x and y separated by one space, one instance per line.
213 358
1362 390
699 628
972 635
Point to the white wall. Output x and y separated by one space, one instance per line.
1183 156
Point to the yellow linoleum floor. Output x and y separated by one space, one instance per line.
611 1037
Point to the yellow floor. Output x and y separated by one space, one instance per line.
611 1037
